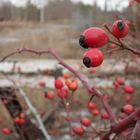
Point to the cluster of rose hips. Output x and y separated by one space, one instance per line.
61 87
129 90
86 122
94 38
21 119
62 91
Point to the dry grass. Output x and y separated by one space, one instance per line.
60 37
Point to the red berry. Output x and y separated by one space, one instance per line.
120 80
129 89
63 93
93 37
22 121
67 82
86 122
78 130
105 116
95 112
73 86
112 46
92 105
42 83
120 29
93 58
6 131
58 83
128 108
50 95
17 120
67 75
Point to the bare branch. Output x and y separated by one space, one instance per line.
135 130
91 90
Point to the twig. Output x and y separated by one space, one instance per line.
32 109
66 107
35 113
135 130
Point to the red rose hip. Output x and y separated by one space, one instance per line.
79 130
58 83
86 122
6 131
105 116
63 93
120 29
128 109
50 95
92 105
93 58
93 37
129 89
95 112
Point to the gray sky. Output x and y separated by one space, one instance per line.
111 3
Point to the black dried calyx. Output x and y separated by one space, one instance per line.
82 42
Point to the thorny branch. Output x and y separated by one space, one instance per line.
116 127
91 90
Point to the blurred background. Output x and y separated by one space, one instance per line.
40 24
57 24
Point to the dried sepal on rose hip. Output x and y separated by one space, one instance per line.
120 29
93 58
93 37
